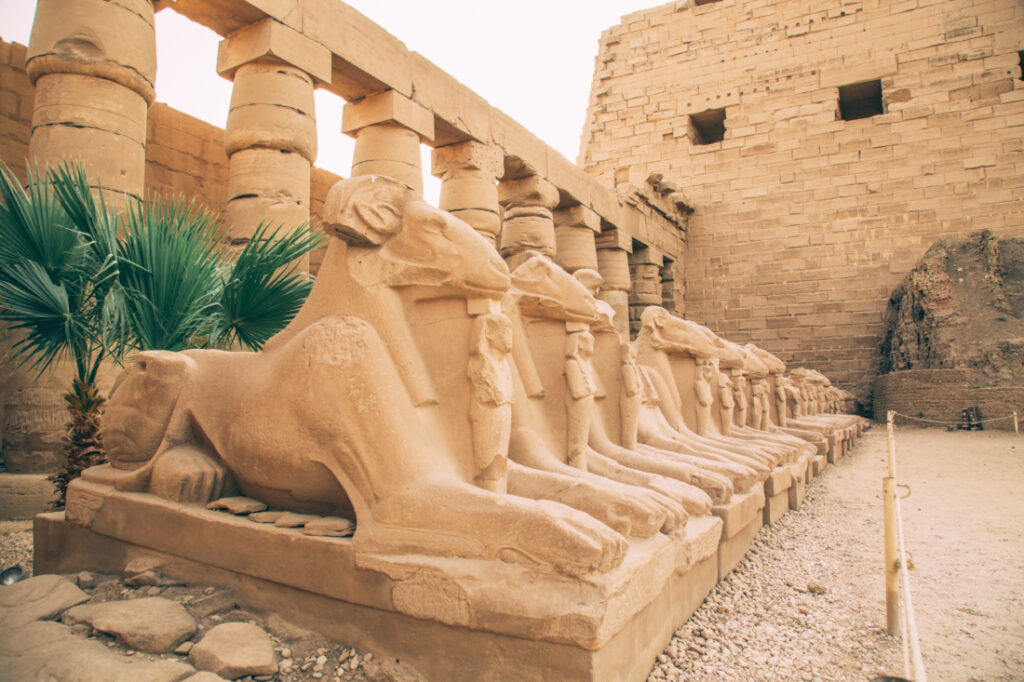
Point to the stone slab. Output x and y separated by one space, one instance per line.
818 464
778 481
740 511
22 496
732 551
436 650
776 507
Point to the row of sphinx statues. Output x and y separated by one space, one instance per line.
455 404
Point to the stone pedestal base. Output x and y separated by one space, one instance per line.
818 464
776 492
741 519
798 490
486 620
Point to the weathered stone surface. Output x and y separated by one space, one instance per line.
204 676
235 649
237 505
331 526
265 516
152 624
272 39
48 651
40 598
220 599
386 670
291 520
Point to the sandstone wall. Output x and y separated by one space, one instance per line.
940 395
805 223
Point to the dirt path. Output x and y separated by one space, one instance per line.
808 601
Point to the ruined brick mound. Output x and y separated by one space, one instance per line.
961 307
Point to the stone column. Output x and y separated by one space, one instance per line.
388 128
644 269
270 136
469 173
527 221
93 64
576 229
613 249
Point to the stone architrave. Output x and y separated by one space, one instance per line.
469 173
490 412
528 222
270 135
388 128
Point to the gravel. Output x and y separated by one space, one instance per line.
16 545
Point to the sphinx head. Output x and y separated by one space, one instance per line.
407 242
544 289
141 405
675 335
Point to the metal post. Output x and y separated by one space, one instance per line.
892 578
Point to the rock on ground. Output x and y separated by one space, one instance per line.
150 624
235 649
40 598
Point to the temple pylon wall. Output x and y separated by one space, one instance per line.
823 147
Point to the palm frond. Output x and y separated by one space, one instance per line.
33 225
168 272
38 307
265 290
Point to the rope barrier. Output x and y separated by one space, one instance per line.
944 423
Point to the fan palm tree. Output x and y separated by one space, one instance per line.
81 282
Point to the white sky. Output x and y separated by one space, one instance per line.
533 59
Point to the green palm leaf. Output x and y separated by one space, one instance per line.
264 290
34 226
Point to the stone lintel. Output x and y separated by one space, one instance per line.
469 155
578 216
270 39
614 239
648 255
387 107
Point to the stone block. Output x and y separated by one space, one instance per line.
22 496
469 155
575 248
578 216
776 507
527 233
269 173
480 192
112 40
615 239
532 190
243 216
387 107
278 85
480 220
113 161
87 102
273 40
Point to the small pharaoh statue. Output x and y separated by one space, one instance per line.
630 395
756 406
579 374
702 387
726 402
766 406
780 398
490 412
740 396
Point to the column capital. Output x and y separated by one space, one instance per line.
270 40
387 107
615 239
578 216
532 190
469 155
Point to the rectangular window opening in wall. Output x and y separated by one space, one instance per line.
860 100
1020 63
698 3
708 126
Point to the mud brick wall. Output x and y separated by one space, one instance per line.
805 222
940 394
183 154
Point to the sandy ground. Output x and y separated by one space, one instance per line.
964 525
